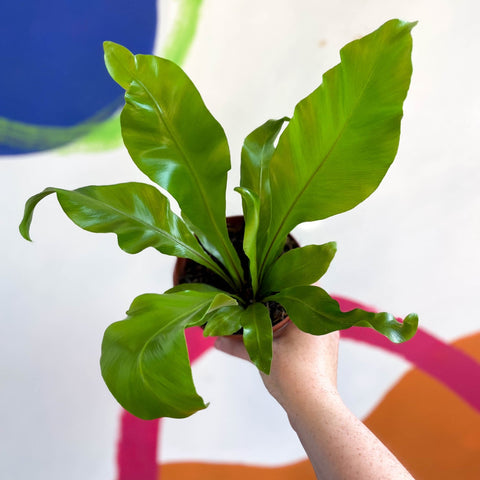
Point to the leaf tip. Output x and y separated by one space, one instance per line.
265 368
24 231
118 61
409 327
333 246
412 320
112 47
107 45
32 202
411 25
402 23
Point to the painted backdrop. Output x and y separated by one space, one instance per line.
412 246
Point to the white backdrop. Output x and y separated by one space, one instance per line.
412 246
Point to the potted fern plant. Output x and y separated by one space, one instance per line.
331 155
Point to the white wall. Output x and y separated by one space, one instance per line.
412 246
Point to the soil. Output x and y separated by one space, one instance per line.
193 272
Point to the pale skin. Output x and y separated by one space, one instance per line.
303 379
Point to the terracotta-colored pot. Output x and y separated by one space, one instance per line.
279 327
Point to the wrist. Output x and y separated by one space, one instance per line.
323 401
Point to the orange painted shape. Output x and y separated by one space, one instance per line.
470 345
210 471
432 431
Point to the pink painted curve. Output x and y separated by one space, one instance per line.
137 448
138 444
449 365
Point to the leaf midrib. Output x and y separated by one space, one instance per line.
153 227
313 309
177 319
263 167
322 163
163 118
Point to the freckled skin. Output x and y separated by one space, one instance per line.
303 380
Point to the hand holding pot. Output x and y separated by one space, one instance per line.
303 379
302 365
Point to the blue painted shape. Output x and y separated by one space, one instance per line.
52 70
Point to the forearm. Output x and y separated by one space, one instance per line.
338 444
303 381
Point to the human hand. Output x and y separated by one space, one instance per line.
303 379
303 365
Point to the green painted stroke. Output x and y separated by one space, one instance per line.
96 135
92 134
